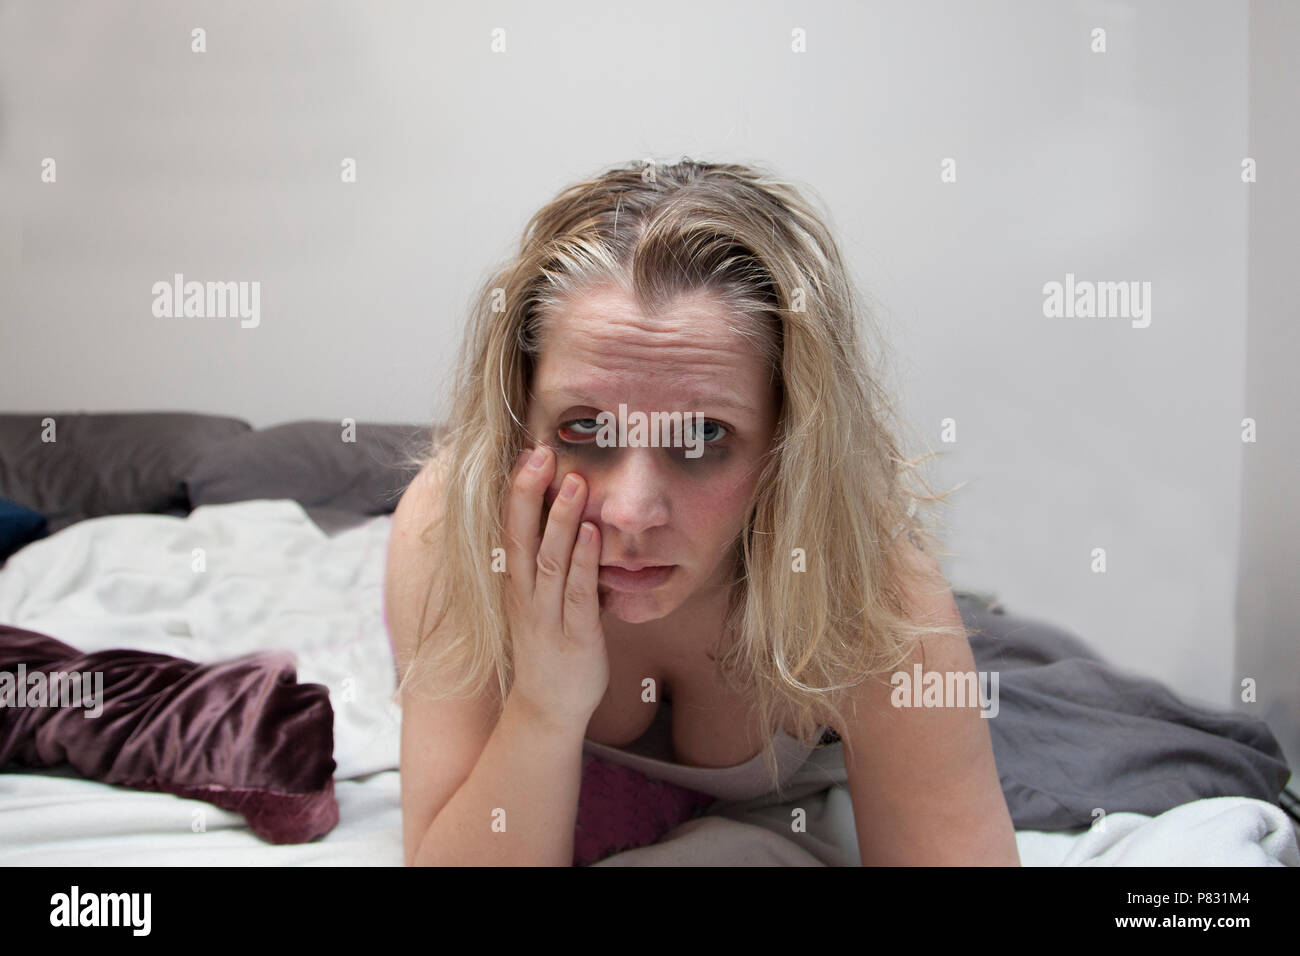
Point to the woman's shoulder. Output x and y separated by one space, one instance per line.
421 502
412 559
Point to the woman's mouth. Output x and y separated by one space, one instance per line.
646 579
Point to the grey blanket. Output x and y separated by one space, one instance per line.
1074 733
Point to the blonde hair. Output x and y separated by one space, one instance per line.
834 483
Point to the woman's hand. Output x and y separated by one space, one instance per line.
561 667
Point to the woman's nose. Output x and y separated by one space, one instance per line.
632 493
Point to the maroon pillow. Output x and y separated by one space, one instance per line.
243 734
620 808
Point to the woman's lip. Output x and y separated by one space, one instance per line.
646 579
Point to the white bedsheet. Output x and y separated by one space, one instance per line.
272 579
64 821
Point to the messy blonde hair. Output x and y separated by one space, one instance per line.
834 486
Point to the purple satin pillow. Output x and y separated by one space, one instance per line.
243 735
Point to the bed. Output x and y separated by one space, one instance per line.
293 531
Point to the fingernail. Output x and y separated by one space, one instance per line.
569 488
539 456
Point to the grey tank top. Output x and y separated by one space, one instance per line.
652 753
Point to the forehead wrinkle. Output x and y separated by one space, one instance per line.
676 350
680 340
610 314
699 371
599 385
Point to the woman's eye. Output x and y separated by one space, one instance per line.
719 432
579 430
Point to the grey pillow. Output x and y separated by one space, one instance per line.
309 462
105 463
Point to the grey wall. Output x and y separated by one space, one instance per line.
1072 434
1268 608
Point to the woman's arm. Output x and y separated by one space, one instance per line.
482 784
923 781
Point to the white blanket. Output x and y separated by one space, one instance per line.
269 578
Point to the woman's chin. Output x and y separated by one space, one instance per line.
632 608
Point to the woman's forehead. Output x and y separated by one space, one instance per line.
611 310
694 335
597 368
599 349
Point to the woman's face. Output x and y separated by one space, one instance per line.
656 505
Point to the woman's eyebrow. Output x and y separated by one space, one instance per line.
692 401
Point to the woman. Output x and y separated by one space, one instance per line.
749 571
